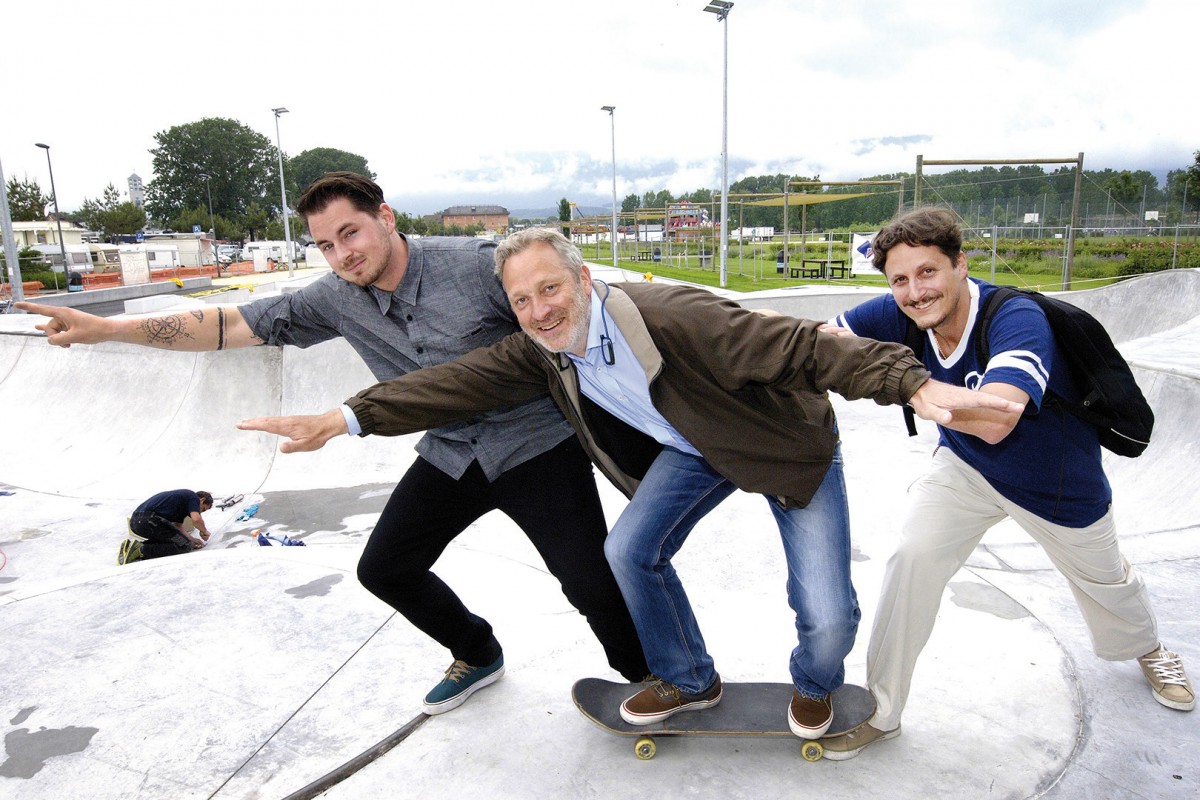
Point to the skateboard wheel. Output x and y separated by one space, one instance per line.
645 748
812 751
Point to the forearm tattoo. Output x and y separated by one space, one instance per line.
220 328
168 331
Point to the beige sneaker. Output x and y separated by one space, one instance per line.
1168 682
848 745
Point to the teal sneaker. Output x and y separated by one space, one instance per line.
131 550
461 681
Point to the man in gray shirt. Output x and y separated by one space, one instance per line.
404 304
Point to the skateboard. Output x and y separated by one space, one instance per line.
746 709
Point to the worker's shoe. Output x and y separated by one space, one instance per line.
661 700
848 745
809 717
461 681
131 550
1168 682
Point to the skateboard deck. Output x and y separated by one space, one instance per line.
746 709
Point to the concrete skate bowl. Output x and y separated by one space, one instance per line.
121 421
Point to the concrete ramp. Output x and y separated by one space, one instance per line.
245 672
123 421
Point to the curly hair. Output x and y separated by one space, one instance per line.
932 226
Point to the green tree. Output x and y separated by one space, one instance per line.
110 216
254 221
306 167
408 224
630 203
564 210
26 202
660 199
1124 188
241 164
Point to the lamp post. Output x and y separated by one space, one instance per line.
212 221
287 230
58 221
722 8
613 120
1182 217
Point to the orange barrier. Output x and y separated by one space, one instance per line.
30 288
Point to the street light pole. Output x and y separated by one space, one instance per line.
1182 217
211 219
722 8
57 218
613 120
287 231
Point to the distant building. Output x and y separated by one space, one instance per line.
137 192
491 218
28 234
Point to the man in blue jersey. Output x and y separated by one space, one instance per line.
1040 466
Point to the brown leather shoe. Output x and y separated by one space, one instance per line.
809 717
660 700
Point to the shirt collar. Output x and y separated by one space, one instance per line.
410 284
596 327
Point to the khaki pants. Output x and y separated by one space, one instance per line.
950 509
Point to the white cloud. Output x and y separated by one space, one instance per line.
477 102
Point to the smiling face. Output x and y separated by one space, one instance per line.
930 287
551 303
361 247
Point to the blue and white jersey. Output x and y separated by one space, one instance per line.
1050 463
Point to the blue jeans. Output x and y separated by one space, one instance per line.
676 493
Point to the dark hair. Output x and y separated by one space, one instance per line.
362 192
205 497
932 226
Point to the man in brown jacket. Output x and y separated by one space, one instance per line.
679 397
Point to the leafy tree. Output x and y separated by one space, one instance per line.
1124 188
25 200
408 224
564 210
254 221
312 164
630 203
660 199
110 216
241 164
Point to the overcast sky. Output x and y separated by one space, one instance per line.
476 101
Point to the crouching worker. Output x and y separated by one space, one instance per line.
162 525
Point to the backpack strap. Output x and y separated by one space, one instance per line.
914 339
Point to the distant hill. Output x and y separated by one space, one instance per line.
552 211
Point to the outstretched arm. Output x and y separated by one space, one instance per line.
986 413
209 328
303 432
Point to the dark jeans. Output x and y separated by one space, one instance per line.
552 497
162 538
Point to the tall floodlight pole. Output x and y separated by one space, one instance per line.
287 230
613 120
57 218
212 221
1182 216
721 8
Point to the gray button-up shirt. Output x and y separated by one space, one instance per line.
449 303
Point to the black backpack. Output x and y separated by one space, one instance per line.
1110 400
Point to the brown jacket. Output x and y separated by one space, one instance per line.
747 390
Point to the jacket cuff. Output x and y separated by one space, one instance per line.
362 412
911 377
